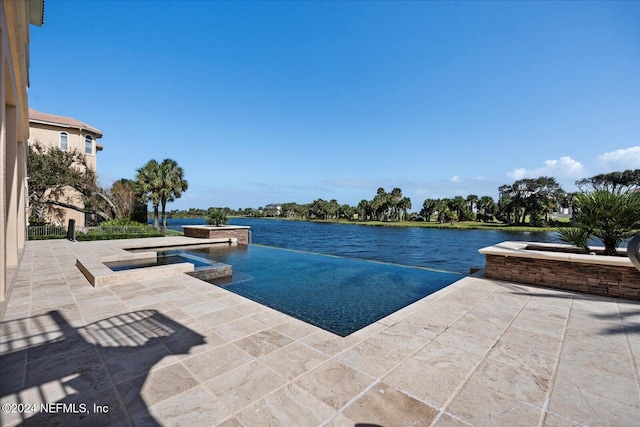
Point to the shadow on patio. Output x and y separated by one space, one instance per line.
88 375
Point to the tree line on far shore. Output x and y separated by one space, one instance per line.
528 201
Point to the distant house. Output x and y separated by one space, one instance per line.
273 209
67 134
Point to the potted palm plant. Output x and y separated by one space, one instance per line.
612 216
216 217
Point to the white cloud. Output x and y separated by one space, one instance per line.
517 173
624 158
560 168
455 179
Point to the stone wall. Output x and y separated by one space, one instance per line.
233 232
605 280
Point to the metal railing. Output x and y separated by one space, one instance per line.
46 230
39 232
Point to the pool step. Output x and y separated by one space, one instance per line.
216 271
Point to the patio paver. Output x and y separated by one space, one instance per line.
179 351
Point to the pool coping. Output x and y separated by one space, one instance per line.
98 274
521 249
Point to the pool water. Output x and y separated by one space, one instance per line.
162 260
338 294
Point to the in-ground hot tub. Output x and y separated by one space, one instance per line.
141 262
560 267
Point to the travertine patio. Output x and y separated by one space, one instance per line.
179 351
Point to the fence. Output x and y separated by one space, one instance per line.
35 232
58 232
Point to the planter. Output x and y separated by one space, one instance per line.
558 267
241 233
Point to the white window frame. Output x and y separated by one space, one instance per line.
88 138
64 147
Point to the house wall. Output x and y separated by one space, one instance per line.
14 133
49 135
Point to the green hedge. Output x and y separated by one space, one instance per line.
80 237
47 237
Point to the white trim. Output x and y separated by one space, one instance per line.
60 125
93 140
60 141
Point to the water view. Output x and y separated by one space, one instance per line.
439 249
343 277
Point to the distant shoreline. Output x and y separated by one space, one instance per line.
464 225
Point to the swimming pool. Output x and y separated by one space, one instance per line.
162 260
338 294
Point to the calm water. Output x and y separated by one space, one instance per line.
370 274
448 250
163 260
338 294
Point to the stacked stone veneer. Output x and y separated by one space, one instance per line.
605 280
215 272
241 233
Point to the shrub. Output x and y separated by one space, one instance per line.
575 236
114 236
611 216
122 222
216 216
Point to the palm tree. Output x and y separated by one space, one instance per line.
333 209
394 199
487 205
429 206
458 205
173 184
473 200
363 209
403 205
149 180
161 183
442 207
380 204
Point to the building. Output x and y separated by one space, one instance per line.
273 209
67 134
15 17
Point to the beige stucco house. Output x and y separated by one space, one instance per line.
67 134
15 17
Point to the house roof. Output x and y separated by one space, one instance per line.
62 121
36 12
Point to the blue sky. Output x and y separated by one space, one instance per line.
264 102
